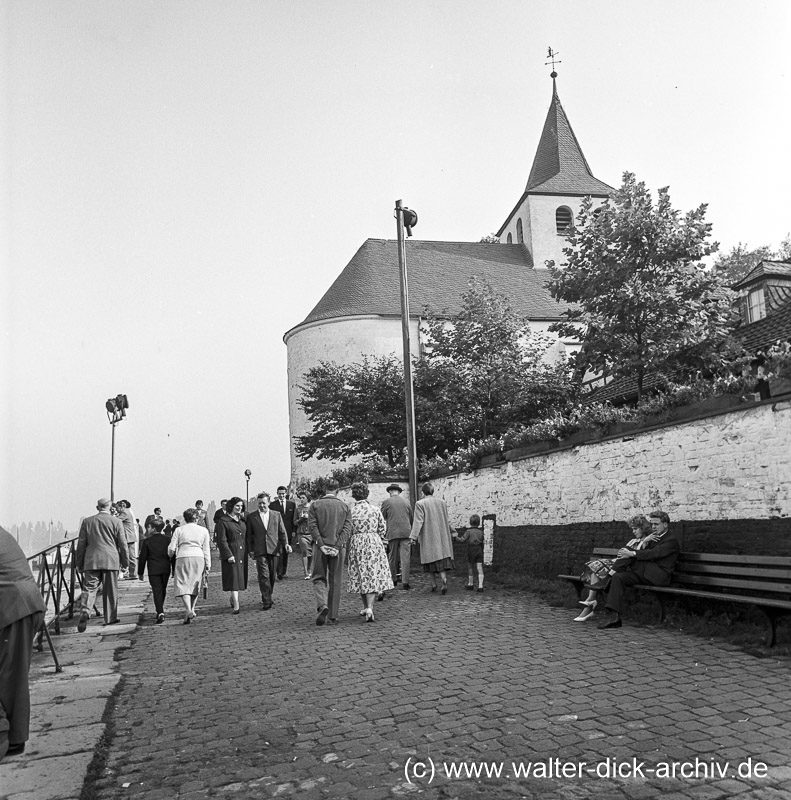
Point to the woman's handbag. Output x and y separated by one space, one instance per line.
596 574
205 585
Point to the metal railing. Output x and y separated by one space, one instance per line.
59 581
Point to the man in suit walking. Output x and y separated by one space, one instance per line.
130 534
21 615
151 517
101 552
266 533
398 518
652 564
329 526
286 509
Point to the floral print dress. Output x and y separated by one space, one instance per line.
367 568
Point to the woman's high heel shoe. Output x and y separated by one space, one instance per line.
585 615
589 603
369 615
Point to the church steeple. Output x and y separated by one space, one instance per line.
559 167
559 179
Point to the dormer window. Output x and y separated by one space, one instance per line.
756 305
563 220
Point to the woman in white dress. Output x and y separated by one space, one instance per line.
367 568
190 545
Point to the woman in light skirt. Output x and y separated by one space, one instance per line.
190 546
367 567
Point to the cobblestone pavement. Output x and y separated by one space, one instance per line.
267 704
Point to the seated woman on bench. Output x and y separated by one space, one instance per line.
641 535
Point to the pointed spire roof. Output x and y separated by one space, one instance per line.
559 166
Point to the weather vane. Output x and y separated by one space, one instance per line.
552 56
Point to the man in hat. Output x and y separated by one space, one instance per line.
101 552
398 517
21 615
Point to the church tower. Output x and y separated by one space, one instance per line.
559 179
360 313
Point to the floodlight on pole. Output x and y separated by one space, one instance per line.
247 475
406 219
116 411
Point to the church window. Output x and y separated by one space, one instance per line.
510 239
520 236
563 220
756 305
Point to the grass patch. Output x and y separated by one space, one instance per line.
91 788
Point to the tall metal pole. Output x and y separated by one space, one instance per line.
112 467
408 386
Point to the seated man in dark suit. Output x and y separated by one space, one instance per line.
653 564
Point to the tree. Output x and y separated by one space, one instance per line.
734 265
645 303
355 409
484 370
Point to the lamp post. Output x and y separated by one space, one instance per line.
247 475
406 219
116 411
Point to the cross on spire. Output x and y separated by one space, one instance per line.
552 55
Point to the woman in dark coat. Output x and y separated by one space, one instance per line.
230 533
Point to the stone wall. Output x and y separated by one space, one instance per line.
725 480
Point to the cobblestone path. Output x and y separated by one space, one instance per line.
267 704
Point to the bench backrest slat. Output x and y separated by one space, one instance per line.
731 583
728 570
731 558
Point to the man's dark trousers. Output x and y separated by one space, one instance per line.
16 650
327 576
265 566
621 581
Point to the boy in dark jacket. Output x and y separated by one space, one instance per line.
154 553
474 538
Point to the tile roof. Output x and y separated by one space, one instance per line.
762 269
559 166
438 273
764 333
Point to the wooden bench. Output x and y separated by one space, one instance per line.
761 581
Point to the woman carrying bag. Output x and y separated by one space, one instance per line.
190 546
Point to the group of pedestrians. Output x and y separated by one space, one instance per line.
374 545
357 536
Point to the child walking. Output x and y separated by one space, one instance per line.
474 538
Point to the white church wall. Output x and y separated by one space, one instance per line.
344 340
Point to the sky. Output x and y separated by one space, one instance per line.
184 179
